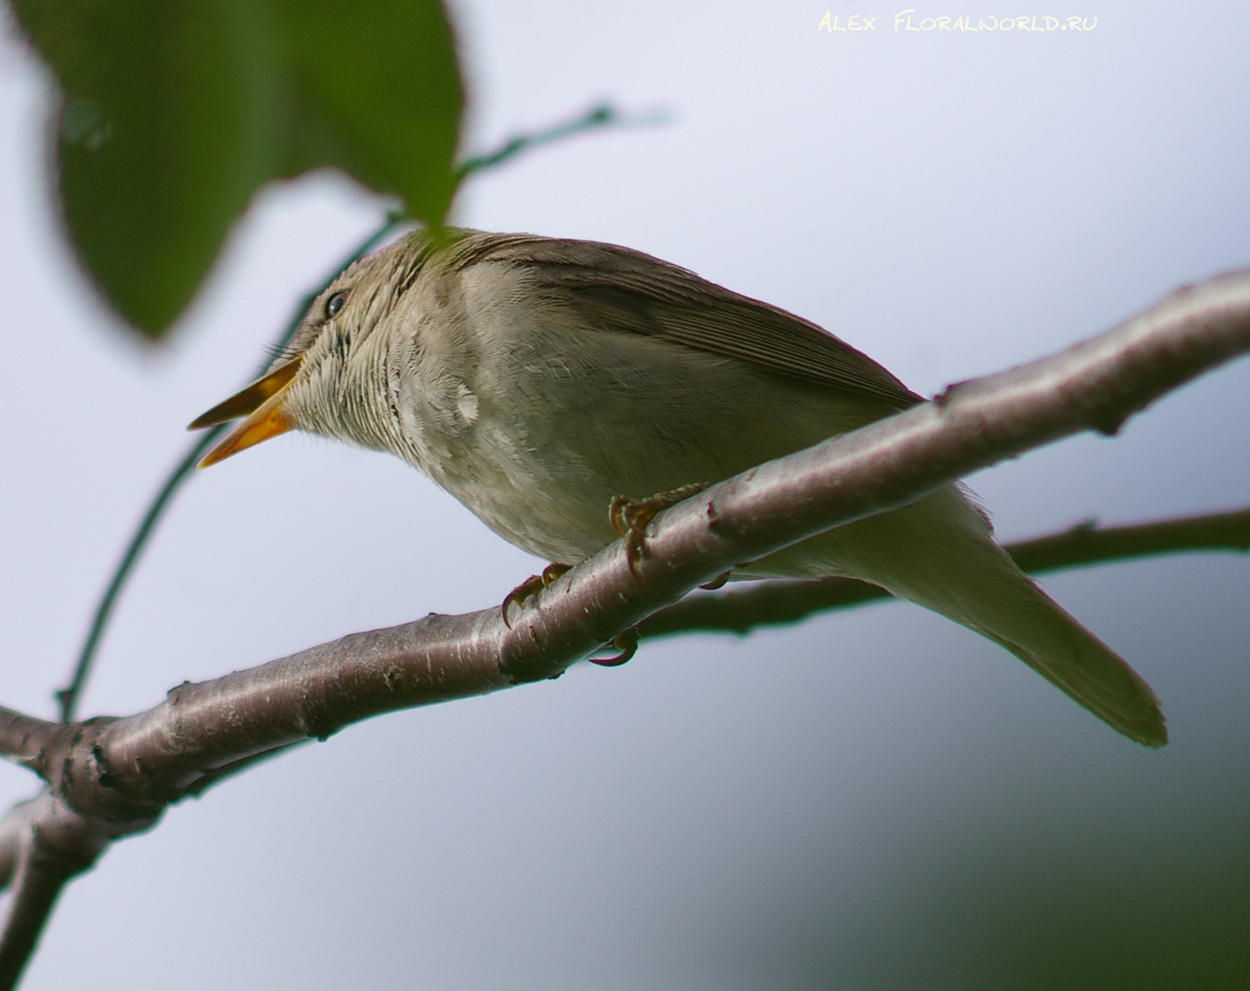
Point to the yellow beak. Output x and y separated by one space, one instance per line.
261 406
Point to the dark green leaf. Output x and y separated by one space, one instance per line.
175 113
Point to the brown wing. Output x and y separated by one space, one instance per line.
648 296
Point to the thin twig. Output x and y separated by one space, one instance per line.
1087 543
603 115
67 697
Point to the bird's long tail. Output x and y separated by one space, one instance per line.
939 553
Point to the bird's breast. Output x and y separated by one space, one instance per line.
547 423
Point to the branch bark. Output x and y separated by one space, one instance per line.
108 777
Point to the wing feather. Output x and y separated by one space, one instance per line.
645 295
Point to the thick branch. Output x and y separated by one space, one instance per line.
37 884
22 738
43 844
155 756
110 777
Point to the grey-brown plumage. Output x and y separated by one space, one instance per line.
536 378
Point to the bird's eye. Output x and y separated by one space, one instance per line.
335 303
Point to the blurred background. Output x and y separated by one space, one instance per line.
874 799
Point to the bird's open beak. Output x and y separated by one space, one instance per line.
260 405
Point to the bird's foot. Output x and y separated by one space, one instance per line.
627 643
630 518
531 587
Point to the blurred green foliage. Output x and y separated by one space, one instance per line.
172 115
1049 891
1105 913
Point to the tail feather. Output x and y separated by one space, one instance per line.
1085 668
939 553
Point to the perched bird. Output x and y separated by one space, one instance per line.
536 379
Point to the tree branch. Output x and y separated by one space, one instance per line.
23 738
112 777
600 115
779 603
43 844
37 884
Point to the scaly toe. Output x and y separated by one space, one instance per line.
627 643
630 519
531 587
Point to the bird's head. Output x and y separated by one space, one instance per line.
316 382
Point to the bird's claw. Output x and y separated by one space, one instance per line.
629 519
627 643
531 587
